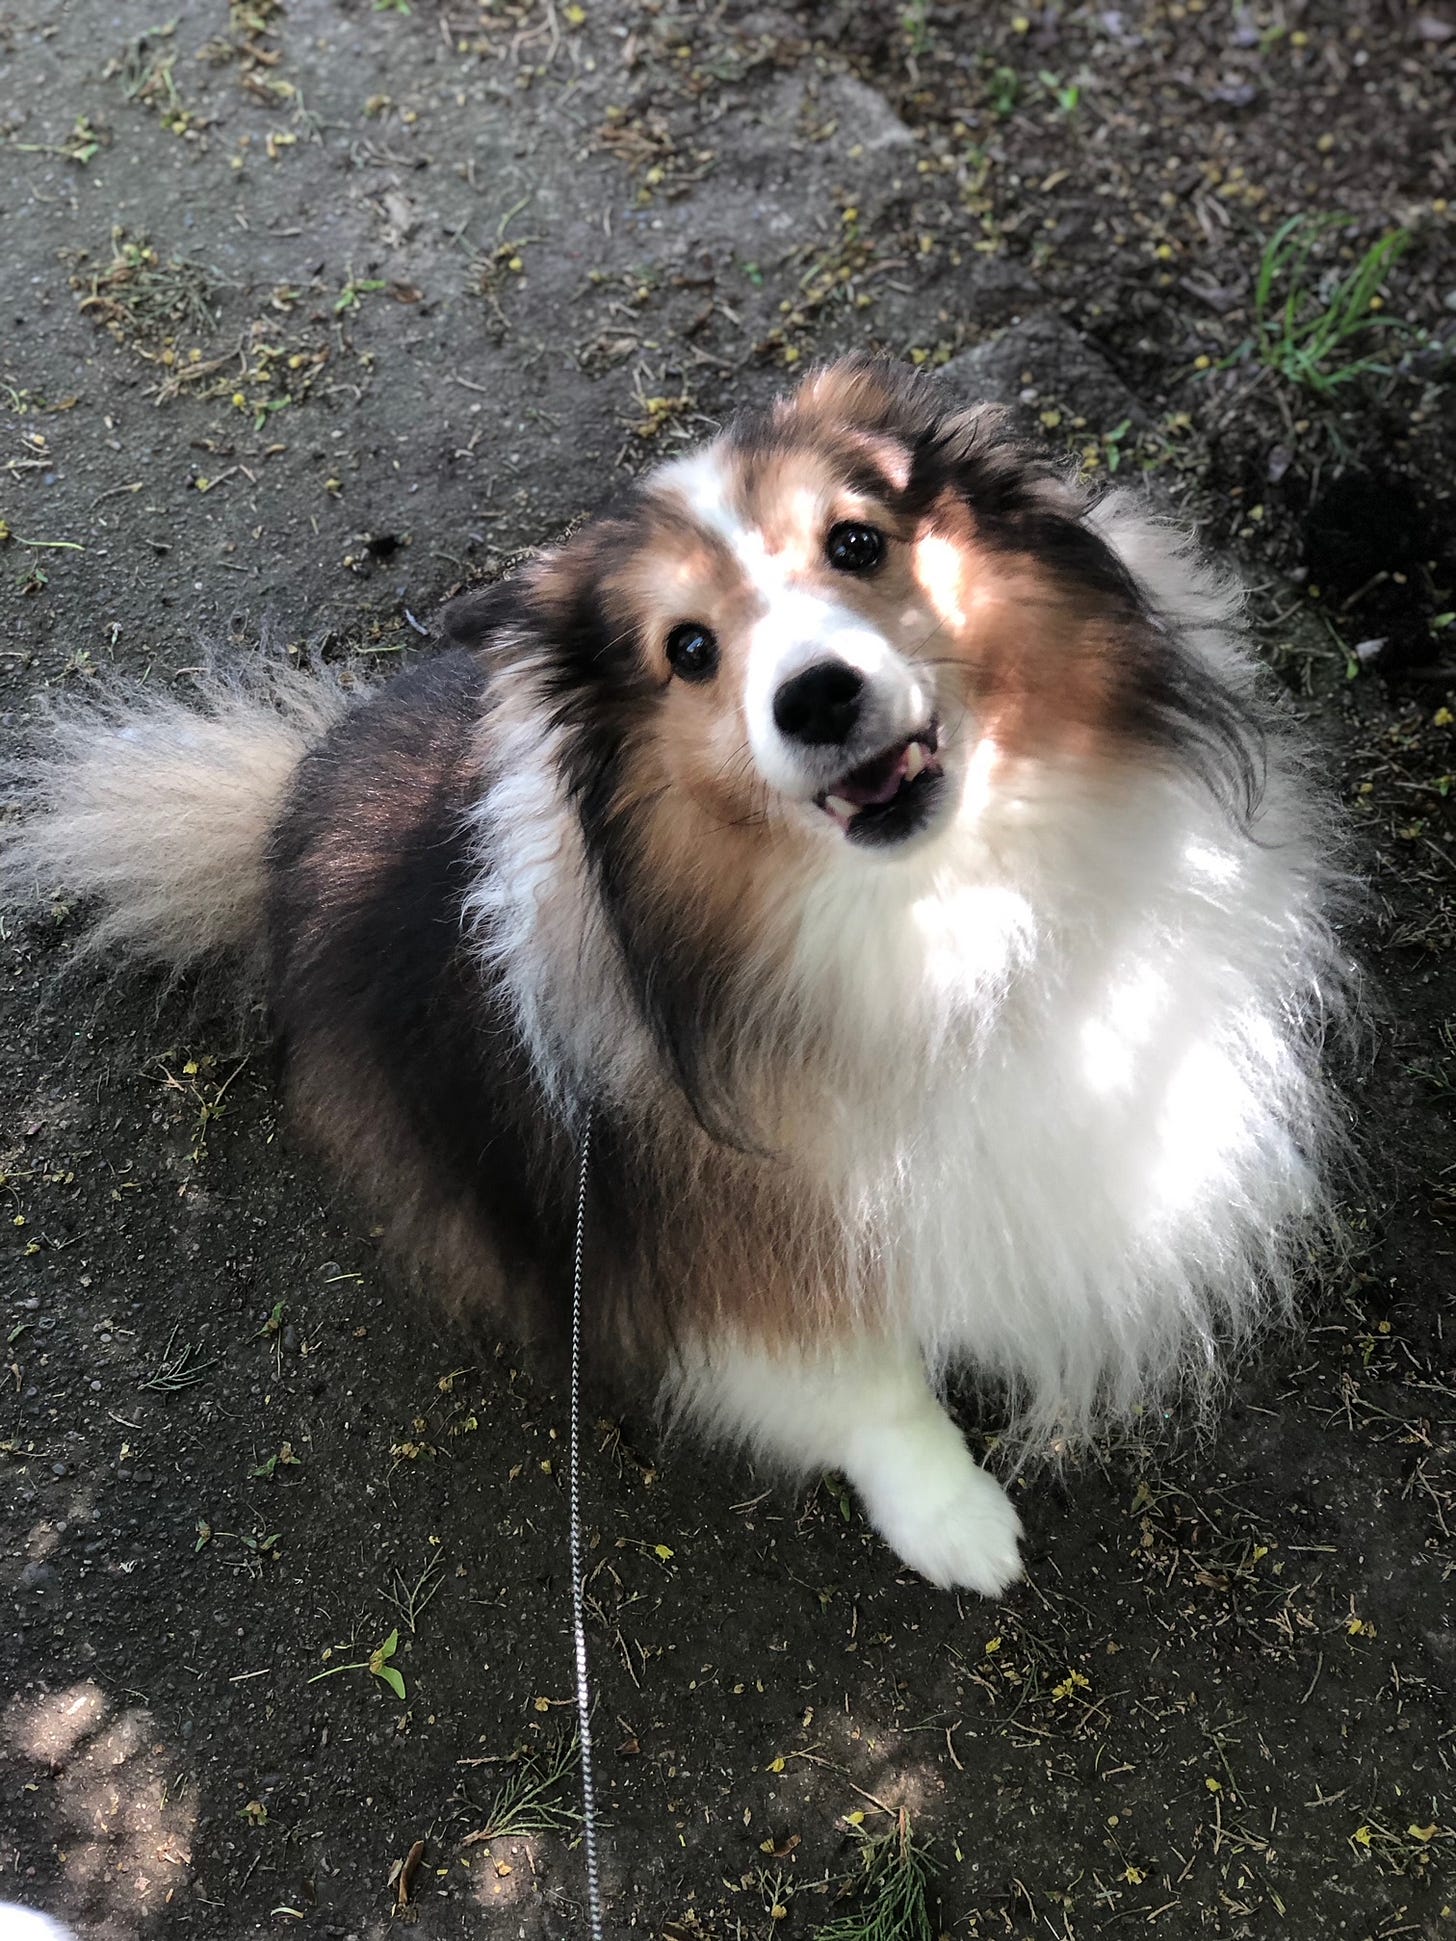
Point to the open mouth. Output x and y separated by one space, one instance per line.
891 796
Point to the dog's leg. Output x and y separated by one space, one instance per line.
867 1409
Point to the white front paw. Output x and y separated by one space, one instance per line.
937 1508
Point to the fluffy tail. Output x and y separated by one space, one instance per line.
156 813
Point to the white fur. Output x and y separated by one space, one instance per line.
532 910
29 1924
1080 1109
869 1412
156 809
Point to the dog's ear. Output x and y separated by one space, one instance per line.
474 616
861 391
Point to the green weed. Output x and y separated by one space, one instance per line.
892 1890
1308 329
533 1797
377 1664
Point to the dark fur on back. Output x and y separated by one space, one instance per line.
402 1060
398 1058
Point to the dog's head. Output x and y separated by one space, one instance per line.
827 641
839 616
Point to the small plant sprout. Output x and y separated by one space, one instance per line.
1306 329
377 1664
357 287
272 1332
1005 91
1066 94
284 1458
914 19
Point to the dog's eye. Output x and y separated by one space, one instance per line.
853 548
692 651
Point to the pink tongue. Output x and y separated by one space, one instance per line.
876 783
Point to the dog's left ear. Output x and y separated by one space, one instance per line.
1008 482
473 616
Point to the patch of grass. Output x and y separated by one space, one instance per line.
891 1891
1308 328
147 77
536 1796
144 298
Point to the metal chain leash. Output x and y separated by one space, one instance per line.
578 1572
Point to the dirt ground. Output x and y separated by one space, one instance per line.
313 310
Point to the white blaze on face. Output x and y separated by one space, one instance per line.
796 630
797 624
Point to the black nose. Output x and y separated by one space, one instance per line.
821 705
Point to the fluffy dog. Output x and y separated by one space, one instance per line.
891 842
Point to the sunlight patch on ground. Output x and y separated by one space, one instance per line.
121 1826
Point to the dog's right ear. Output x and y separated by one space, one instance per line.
475 616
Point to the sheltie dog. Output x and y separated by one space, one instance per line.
889 841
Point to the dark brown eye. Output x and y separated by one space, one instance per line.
692 651
854 548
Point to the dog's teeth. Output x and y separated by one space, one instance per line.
837 805
914 760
